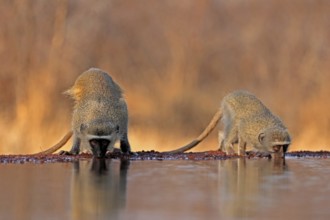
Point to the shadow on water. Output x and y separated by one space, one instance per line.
99 189
244 188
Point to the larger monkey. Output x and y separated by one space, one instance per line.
100 115
247 121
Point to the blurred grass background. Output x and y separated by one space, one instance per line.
175 61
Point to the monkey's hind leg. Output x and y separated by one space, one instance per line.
241 147
228 147
75 149
220 141
230 138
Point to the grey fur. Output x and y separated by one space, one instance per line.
246 121
100 112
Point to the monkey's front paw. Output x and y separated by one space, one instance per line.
230 151
264 155
115 150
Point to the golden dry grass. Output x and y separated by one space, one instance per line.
175 61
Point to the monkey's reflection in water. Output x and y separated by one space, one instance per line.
99 189
247 186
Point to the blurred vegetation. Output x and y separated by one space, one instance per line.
174 59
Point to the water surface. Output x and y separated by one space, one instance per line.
113 189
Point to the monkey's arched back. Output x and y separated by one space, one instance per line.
101 111
247 121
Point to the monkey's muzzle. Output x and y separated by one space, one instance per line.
280 150
99 147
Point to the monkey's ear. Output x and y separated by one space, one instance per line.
74 92
261 137
68 92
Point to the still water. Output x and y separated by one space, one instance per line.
113 189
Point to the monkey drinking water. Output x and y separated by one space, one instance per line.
246 121
100 115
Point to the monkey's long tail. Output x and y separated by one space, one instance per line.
217 116
58 145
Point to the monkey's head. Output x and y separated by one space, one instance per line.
275 140
101 136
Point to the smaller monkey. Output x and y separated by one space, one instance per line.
247 121
100 116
